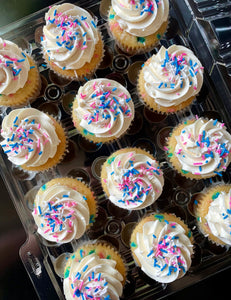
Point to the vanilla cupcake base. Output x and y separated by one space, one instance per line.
202 208
151 103
103 250
85 71
80 187
169 258
171 145
156 184
130 43
26 94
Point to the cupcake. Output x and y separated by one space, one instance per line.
94 271
200 148
213 212
170 79
64 208
132 178
72 44
137 26
102 110
162 245
32 139
19 77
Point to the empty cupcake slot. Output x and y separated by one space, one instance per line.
113 227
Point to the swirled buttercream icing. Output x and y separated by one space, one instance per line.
29 137
14 67
61 213
70 35
93 278
163 250
134 180
219 216
173 75
203 148
140 18
104 107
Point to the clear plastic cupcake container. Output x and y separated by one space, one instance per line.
196 26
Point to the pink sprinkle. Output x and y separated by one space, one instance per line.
39 126
165 148
82 96
108 84
197 173
86 24
195 88
4 44
197 117
197 163
84 47
119 162
105 180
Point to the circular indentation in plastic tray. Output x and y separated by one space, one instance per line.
113 227
104 8
145 144
133 71
107 59
97 165
53 93
67 101
117 77
162 136
22 175
120 63
87 145
60 263
71 151
56 79
111 240
193 203
30 196
51 109
116 211
181 197
152 116
126 233
81 174
44 85
136 125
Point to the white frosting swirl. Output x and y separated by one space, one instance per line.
29 137
173 75
140 18
105 108
203 148
219 217
70 35
93 277
163 250
134 180
14 67
61 213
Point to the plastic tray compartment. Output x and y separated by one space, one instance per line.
44 261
